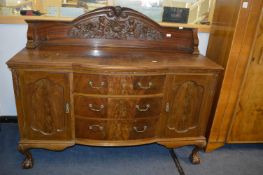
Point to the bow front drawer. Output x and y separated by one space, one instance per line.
117 108
118 85
91 129
90 84
91 107
115 129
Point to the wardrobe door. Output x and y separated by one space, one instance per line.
247 123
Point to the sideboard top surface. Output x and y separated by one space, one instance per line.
69 57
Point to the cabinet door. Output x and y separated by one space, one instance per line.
189 99
46 105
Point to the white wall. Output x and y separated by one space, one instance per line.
12 40
203 42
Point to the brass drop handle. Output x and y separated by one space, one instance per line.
95 109
91 84
147 107
140 131
93 127
150 84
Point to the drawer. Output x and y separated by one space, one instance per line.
143 128
131 129
117 108
130 108
90 84
118 85
91 129
90 107
115 129
135 85
148 84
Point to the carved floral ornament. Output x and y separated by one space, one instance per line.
116 23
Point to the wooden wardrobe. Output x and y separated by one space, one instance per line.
236 43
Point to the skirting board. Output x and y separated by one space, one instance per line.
8 119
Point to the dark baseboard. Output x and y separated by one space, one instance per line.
8 119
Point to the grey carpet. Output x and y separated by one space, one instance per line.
150 159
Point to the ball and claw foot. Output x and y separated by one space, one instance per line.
28 161
195 157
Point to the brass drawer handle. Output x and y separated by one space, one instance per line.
147 107
93 127
94 109
140 131
150 84
91 84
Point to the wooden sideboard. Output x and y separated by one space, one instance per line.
112 77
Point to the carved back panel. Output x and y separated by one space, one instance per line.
45 97
115 23
112 27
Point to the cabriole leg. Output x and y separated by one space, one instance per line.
195 157
28 161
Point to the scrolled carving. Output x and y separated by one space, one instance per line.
115 23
